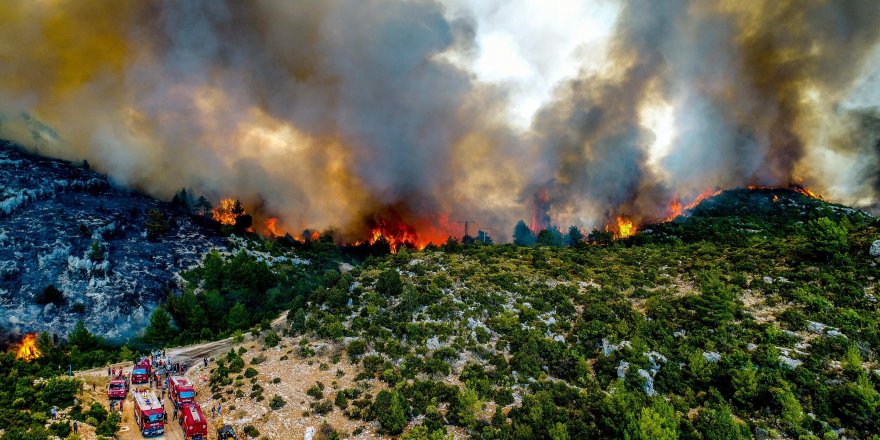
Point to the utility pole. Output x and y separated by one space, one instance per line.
466 224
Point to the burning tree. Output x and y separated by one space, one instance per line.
231 214
28 350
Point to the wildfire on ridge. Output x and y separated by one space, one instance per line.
624 228
307 235
396 235
798 188
226 213
28 350
676 208
399 227
807 192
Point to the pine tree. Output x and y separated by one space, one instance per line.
159 331
522 235
658 422
575 237
390 411
237 319
298 324
82 337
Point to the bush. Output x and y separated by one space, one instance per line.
250 372
316 391
236 365
251 431
390 412
277 402
322 407
60 392
272 339
109 426
356 348
341 401
389 283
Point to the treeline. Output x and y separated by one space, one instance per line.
236 293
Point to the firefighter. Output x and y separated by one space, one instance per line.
75 427
175 413
108 371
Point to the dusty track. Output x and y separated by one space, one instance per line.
192 355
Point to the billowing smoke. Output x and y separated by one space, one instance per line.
344 114
755 88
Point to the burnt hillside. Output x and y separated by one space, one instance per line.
65 226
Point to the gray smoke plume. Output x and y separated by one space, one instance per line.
350 114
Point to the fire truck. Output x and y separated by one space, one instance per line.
149 414
117 389
141 372
193 422
181 391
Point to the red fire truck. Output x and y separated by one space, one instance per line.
148 413
181 391
117 389
141 372
193 422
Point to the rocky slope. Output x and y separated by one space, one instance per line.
64 225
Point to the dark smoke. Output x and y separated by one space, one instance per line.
335 113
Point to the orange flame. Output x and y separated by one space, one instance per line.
396 237
798 188
272 227
807 192
224 214
624 228
28 350
676 209
311 236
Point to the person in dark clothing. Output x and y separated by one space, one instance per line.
75 427
108 371
165 417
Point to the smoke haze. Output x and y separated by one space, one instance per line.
343 114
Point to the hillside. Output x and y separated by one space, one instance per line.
756 315
65 226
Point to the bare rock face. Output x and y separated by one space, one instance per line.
69 227
875 248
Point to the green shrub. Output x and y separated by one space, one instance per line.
276 402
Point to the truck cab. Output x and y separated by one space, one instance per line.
117 389
193 422
141 372
149 414
181 391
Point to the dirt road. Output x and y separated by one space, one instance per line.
96 381
192 354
